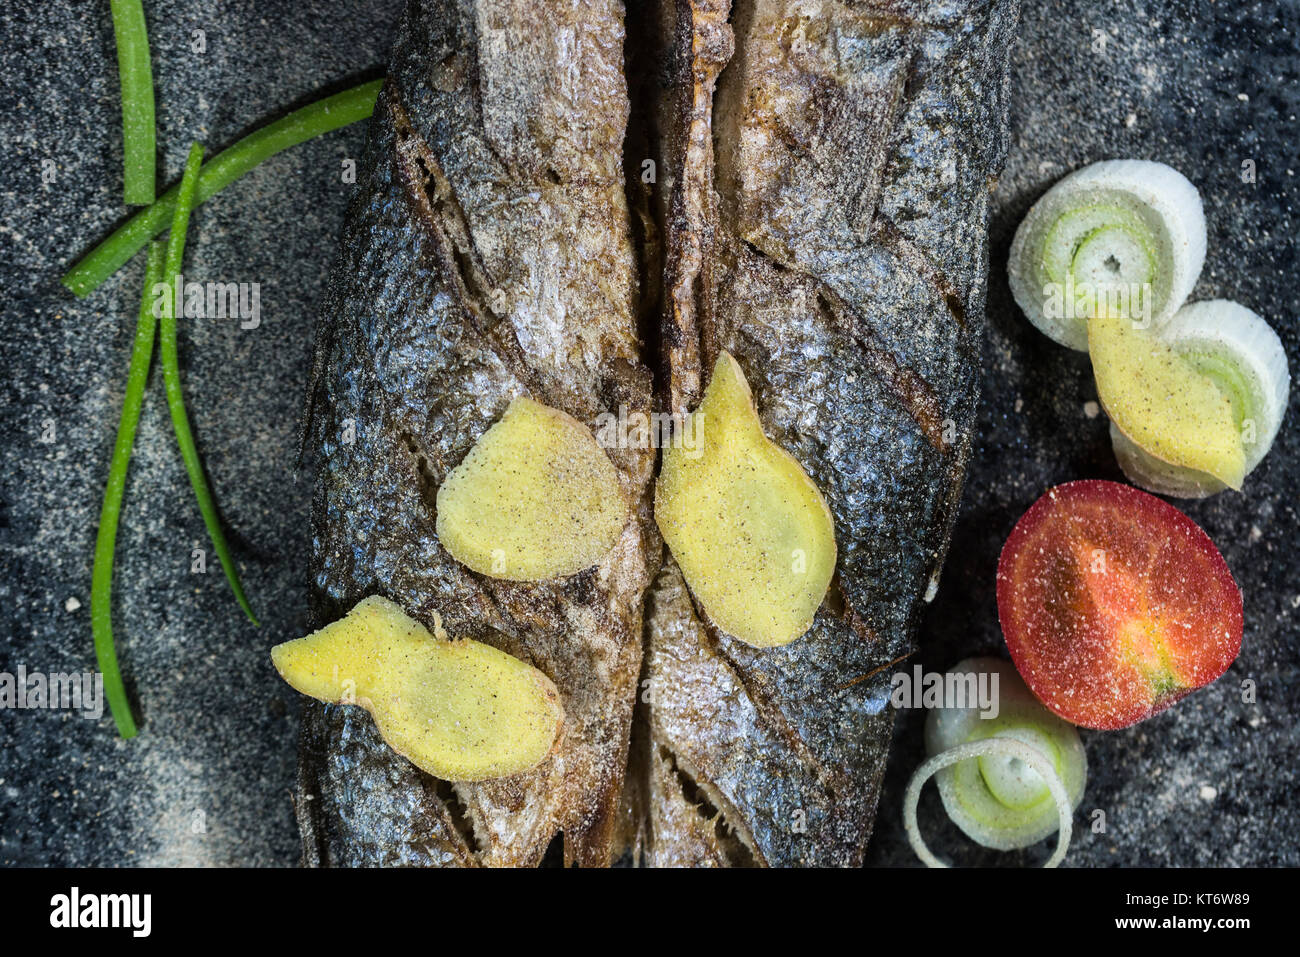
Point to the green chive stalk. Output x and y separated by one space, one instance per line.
315 119
101 578
185 200
136 76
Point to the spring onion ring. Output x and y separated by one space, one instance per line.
1243 356
230 164
1006 747
999 799
1123 236
101 576
136 77
172 378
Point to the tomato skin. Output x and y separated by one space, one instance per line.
1114 604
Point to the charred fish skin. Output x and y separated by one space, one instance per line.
486 256
853 149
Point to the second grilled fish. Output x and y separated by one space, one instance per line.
827 228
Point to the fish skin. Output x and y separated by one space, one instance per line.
828 230
838 182
487 256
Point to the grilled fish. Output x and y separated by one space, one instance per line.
817 209
488 255
831 166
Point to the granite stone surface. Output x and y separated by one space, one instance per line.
1203 86
207 780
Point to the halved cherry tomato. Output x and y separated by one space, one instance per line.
1114 604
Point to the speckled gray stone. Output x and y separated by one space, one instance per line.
1202 86
207 780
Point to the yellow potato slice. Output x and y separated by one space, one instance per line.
749 529
535 498
459 710
1162 402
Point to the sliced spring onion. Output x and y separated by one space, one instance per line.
172 378
1007 750
101 576
1007 781
1242 355
136 77
230 164
1123 237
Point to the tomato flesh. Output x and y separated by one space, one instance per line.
1114 604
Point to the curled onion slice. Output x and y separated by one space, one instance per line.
1002 747
1007 780
1146 471
1126 236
